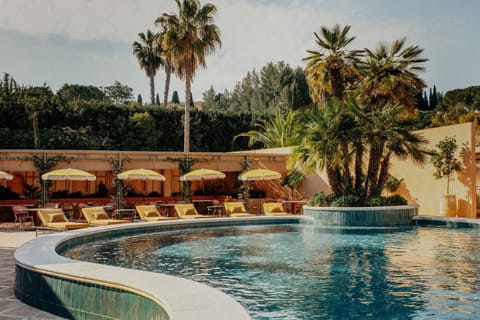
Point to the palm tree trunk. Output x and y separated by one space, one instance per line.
36 130
358 166
334 179
383 175
152 89
186 134
376 152
168 71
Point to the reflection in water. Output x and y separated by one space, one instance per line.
301 272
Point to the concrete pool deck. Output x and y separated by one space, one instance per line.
10 307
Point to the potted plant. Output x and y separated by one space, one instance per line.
446 164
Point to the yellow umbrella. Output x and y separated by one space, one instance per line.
140 174
202 174
68 174
4 175
259 174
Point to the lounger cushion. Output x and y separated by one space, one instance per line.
276 209
101 215
56 217
189 211
237 209
151 214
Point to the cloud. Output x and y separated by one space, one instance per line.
89 42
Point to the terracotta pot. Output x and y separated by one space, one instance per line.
448 205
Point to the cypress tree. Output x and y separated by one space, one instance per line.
157 100
175 98
434 100
139 99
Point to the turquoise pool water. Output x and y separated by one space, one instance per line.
305 272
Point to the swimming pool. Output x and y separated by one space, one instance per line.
300 271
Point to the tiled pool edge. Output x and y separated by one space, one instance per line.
449 222
93 286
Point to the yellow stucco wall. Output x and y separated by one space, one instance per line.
419 185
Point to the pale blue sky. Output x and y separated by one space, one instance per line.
90 42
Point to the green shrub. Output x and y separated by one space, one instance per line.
318 200
377 201
397 200
348 200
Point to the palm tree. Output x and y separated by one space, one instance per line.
275 133
149 58
189 37
166 57
342 136
332 70
390 75
324 137
385 133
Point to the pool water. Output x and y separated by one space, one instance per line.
305 272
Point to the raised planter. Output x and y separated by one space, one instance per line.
362 216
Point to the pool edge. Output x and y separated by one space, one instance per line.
179 298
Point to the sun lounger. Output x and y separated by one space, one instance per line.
98 216
55 219
274 209
150 213
236 209
188 211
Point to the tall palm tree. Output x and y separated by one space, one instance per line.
390 74
166 57
149 57
189 36
331 70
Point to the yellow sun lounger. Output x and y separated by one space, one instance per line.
274 209
98 216
55 219
188 211
150 213
236 209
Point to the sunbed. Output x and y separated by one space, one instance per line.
188 211
236 209
55 219
274 209
150 213
98 216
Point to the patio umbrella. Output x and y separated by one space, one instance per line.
4 175
259 174
67 174
201 175
140 174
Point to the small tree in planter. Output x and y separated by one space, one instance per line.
446 164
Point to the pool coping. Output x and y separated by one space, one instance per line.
182 299
450 222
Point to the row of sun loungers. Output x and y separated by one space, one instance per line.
55 219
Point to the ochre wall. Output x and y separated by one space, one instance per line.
419 185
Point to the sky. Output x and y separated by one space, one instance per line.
89 42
